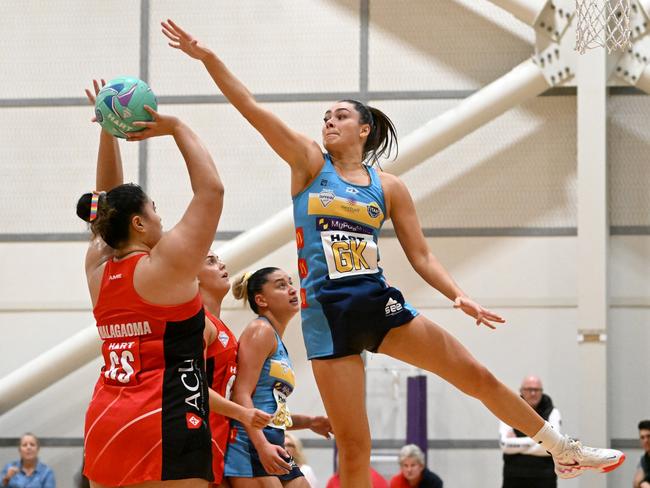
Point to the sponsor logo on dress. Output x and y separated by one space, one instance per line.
223 338
326 197
328 223
115 277
323 182
351 190
393 307
373 210
191 380
193 420
302 267
300 238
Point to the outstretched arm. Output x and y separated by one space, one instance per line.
299 151
109 159
109 174
401 210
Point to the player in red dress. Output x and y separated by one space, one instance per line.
221 365
147 422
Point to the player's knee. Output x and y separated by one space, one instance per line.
353 452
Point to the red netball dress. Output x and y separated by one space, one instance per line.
221 368
148 417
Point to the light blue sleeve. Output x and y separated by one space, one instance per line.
48 480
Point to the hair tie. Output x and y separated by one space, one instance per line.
247 275
94 203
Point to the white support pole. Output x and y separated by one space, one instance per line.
48 368
522 83
254 244
525 10
593 240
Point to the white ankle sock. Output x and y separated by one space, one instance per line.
549 439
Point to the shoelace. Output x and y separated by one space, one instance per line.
575 449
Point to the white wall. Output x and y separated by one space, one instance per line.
518 172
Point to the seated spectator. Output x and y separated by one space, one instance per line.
28 471
642 475
376 479
293 446
413 472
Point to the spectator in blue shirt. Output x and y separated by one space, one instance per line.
28 471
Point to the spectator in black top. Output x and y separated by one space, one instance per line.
642 475
526 464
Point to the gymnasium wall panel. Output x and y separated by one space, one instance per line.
53 48
256 180
629 268
44 170
273 46
517 171
628 337
442 45
628 145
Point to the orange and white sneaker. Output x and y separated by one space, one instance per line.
575 459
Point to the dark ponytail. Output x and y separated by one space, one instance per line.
114 212
382 136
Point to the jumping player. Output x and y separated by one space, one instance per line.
340 204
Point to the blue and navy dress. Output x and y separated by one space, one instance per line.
276 382
347 306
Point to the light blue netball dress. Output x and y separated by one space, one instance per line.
276 382
347 306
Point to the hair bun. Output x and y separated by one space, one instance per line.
83 207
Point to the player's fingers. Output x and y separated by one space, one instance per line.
152 112
170 35
180 31
486 323
143 124
138 136
90 96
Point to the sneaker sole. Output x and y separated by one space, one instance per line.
607 469
578 470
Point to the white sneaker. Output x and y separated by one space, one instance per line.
575 459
